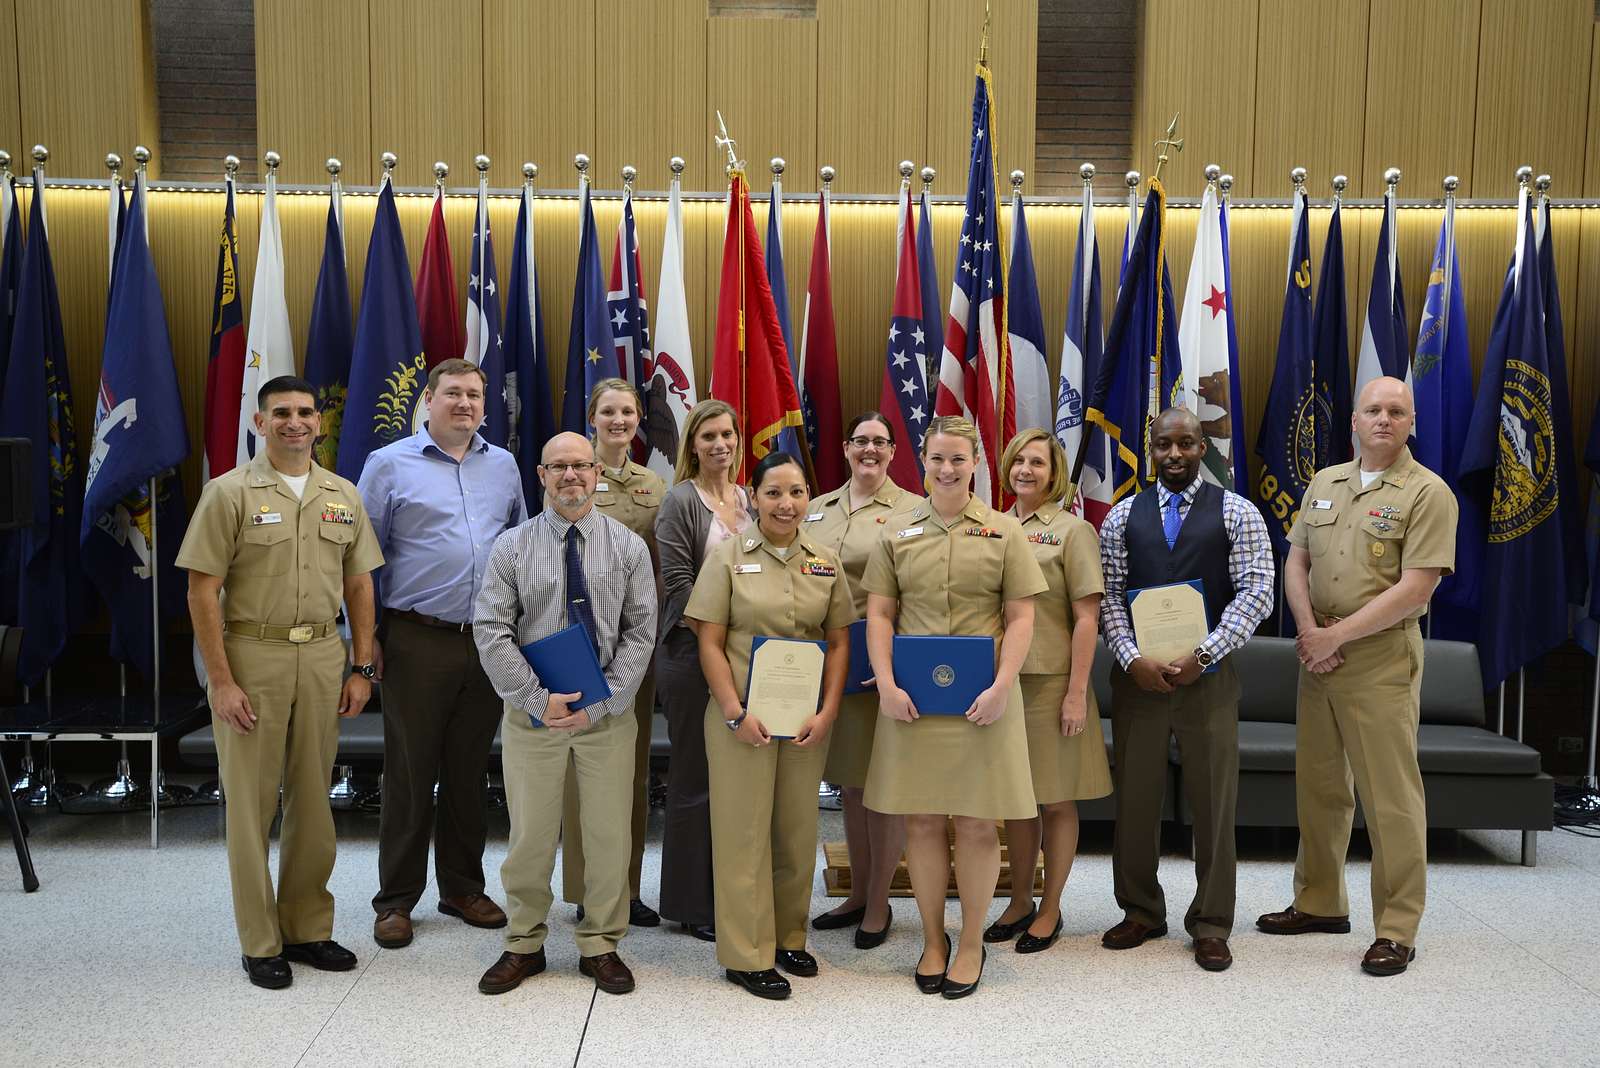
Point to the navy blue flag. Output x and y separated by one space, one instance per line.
37 405
388 371
531 418
928 278
1385 348
1509 471
1295 413
10 279
485 341
1330 332
129 541
330 341
1587 628
1555 342
790 439
591 350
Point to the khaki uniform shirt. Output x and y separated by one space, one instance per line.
1361 539
953 579
1068 552
632 496
282 561
854 535
747 587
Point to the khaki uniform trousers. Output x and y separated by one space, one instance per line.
763 843
572 825
536 761
1361 718
1205 718
294 692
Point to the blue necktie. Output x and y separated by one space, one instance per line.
579 610
1170 520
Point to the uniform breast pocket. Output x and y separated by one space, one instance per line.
1382 542
1320 523
977 564
265 550
333 540
811 594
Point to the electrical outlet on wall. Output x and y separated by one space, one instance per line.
1569 744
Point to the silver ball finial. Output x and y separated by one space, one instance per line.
1225 183
1017 178
1391 177
272 160
907 169
1086 171
530 171
387 161
141 155
1542 183
113 162
1213 172
629 174
41 155
441 171
333 166
777 166
1132 178
928 175
827 174
676 165
5 160
481 162
1339 183
1451 183
1298 177
581 161
230 164
1524 174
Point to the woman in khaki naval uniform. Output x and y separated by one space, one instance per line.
952 565
776 582
1066 748
631 494
850 520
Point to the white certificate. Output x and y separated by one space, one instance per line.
785 683
1169 622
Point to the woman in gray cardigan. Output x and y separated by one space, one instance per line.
704 508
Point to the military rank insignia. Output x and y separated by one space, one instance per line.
337 512
1044 537
983 532
816 565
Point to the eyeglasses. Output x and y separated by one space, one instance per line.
877 443
582 467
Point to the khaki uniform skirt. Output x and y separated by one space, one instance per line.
850 747
948 765
1064 768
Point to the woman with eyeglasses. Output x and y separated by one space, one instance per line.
630 493
702 510
1066 749
850 521
952 566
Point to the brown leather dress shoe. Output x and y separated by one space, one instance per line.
608 973
510 970
475 909
1212 954
1131 933
392 929
1387 957
1291 921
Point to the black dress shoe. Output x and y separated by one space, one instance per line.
952 991
578 916
328 956
642 915
269 973
866 939
932 984
704 931
834 921
763 984
797 962
1005 932
1032 943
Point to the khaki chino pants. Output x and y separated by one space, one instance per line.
572 826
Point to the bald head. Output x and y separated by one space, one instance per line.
564 443
1385 413
1386 388
567 469
1177 446
1177 420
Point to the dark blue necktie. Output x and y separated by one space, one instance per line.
1170 520
579 610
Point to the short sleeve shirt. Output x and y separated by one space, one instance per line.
953 578
1360 540
854 535
632 496
1068 552
282 561
746 586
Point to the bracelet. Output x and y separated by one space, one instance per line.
735 724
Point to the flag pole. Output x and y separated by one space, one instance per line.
142 188
1451 183
114 165
336 196
1522 699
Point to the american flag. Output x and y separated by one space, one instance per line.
630 323
975 378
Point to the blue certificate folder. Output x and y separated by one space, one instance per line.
943 674
565 663
860 663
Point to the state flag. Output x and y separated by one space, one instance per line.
819 362
1210 372
1384 345
224 402
330 340
1025 325
270 343
530 417
1082 348
485 339
437 317
630 319
903 399
672 392
591 349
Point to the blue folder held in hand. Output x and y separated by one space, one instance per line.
860 663
565 663
943 674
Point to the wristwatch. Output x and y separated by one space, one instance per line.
366 671
1205 658
735 724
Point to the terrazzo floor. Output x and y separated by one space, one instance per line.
127 956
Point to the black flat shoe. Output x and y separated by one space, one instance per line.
952 991
269 973
326 956
797 962
835 921
763 984
1005 932
1032 943
866 939
703 931
932 984
642 915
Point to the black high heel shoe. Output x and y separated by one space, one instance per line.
952 991
866 939
1032 943
932 984
1005 932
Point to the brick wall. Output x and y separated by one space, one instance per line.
206 85
1087 55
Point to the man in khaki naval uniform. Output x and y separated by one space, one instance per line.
286 540
1372 540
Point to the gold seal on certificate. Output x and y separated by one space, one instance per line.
785 683
1169 622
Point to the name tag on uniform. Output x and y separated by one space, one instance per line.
746 569
909 532
815 565
812 517
602 487
1322 504
262 520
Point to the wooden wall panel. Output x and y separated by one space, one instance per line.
427 86
81 118
1307 50
864 67
541 66
1583 327
313 96
1185 53
657 109
1591 168
764 81
955 28
10 91
1419 115
1533 93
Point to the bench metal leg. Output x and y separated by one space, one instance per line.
1530 848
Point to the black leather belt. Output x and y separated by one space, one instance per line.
427 620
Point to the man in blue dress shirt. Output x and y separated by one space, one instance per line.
437 500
